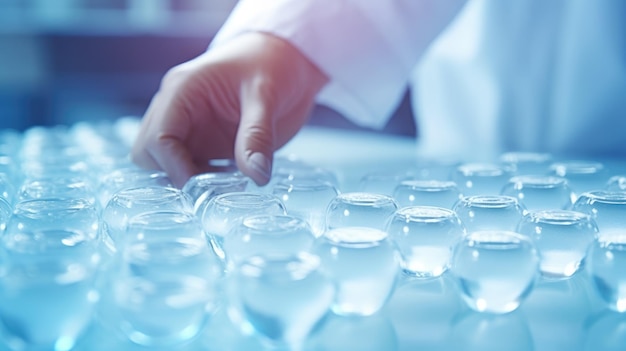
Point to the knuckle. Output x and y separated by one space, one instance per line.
172 77
177 76
261 136
268 90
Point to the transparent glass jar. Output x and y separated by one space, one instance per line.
50 258
489 212
164 281
425 237
495 270
358 209
280 298
307 199
225 211
363 263
562 239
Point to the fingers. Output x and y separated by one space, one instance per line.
160 142
254 143
140 156
275 104
167 153
253 94
139 153
173 156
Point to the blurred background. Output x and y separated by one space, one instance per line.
63 61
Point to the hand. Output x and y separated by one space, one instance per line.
242 100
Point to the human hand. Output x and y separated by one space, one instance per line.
242 100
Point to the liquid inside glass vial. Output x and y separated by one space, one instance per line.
164 281
226 210
607 259
495 270
162 312
47 304
363 264
562 239
280 298
424 237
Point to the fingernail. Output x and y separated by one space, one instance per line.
260 166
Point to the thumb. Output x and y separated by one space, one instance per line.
254 143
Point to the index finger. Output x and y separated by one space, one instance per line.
173 157
160 143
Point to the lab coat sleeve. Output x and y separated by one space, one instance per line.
366 48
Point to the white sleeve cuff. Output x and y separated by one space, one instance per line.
366 48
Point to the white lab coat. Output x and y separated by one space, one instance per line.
487 76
